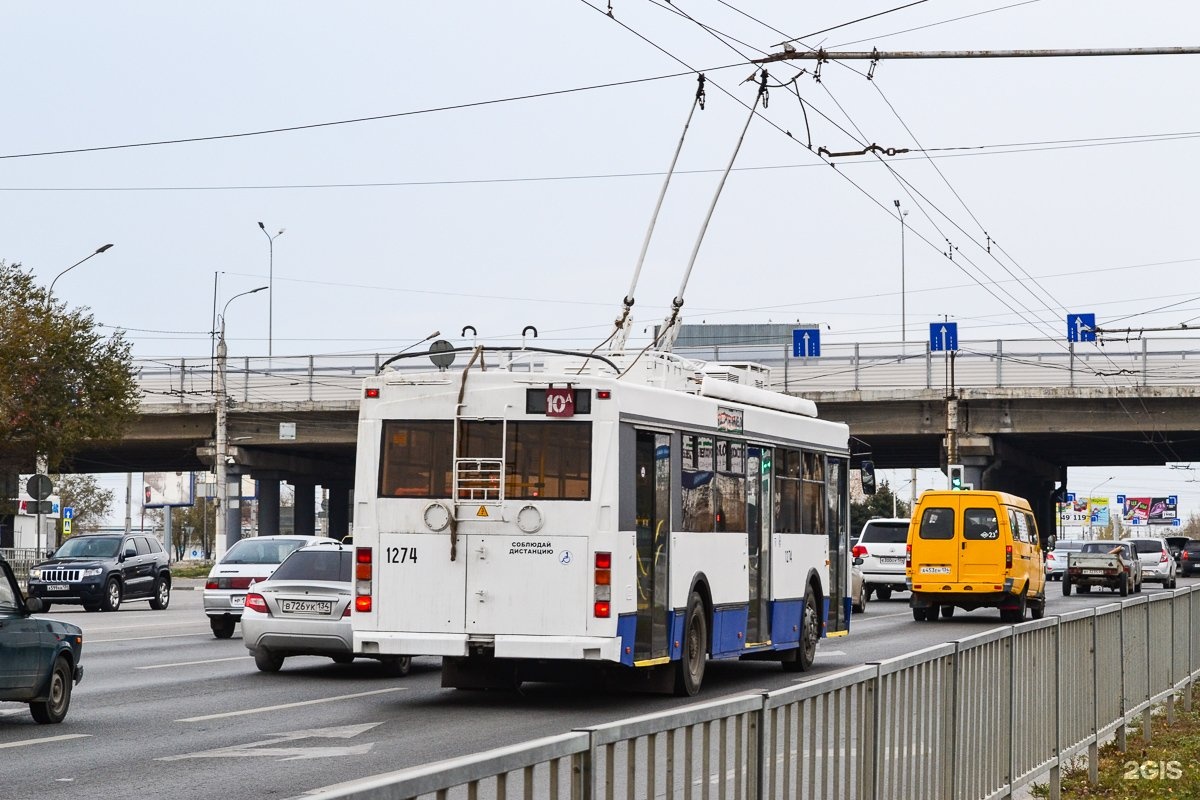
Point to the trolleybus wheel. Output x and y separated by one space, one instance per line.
689 672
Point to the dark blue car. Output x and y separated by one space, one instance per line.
39 658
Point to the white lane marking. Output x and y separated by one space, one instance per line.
62 738
141 638
192 663
267 747
821 652
300 704
873 617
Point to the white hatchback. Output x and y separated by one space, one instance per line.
1158 565
248 562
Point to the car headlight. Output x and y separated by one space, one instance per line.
35 574
91 573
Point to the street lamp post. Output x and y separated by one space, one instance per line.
223 536
270 280
1089 499
50 292
903 316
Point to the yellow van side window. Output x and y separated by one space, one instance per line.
937 523
980 524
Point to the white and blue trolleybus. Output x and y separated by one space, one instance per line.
538 514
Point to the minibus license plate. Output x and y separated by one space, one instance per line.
935 570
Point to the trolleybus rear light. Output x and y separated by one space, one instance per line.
604 394
362 604
603 609
371 392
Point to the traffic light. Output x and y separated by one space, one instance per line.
957 477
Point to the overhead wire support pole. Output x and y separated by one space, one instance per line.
879 55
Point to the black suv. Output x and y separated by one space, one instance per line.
100 571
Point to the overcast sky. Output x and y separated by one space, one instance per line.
516 152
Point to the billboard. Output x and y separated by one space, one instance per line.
161 489
1073 514
1098 511
1163 510
1136 510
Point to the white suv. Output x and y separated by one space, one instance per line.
881 546
1158 565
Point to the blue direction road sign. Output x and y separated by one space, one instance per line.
1173 499
806 342
943 336
1177 522
1070 497
68 512
1120 499
1081 327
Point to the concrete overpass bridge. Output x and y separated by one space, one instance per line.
1022 412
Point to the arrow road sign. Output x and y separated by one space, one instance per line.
288 747
1081 327
806 342
68 512
943 336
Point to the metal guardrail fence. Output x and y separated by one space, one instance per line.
841 367
973 719
20 559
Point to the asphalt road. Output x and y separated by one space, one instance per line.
167 710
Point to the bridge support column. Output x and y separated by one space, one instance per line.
304 516
268 503
339 510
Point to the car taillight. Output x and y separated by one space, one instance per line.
603 586
363 574
1049 556
257 602
1163 558
211 583
908 556
858 551
346 613
1008 556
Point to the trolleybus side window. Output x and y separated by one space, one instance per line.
415 458
813 502
731 486
696 479
787 491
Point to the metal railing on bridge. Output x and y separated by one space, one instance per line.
1017 363
974 719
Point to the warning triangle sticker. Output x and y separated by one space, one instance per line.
482 512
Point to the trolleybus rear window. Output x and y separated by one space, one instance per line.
542 460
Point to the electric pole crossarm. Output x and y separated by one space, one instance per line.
880 55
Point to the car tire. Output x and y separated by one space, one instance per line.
1067 588
947 612
1037 609
46 607
222 627
1124 588
1174 583
162 594
267 661
689 669
91 607
53 709
395 666
884 593
112 595
860 607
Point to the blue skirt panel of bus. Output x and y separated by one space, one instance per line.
627 632
785 622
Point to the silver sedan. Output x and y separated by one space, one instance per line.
304 610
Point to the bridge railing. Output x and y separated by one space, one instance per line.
980 717
840 367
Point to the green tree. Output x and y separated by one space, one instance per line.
62 382
875 505
84 494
